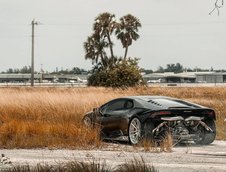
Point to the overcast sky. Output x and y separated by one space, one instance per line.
172 31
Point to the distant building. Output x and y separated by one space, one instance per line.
186 77
24 78
211 77
66 78
170 77
167 77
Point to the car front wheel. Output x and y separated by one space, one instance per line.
87 121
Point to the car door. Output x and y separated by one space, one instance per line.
113 116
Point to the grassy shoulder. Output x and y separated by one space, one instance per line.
51 117
136 165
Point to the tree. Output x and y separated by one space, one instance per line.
100 41
74 70
77 70
110 70
24 69
177 68
104 26
125 73
127 31
97 44
95 48
146 71
160 69
10 70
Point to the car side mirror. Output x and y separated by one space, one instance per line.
97 111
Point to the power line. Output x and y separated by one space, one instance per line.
144 24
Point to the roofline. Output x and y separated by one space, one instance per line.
146 96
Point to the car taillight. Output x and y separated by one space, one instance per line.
161 113
164 113
210 114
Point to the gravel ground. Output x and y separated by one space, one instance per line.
182 158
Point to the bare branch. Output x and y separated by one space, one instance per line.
218 4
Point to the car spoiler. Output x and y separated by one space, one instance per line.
187 111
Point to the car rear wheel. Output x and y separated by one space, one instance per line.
134 131
207 137
147 131
155 137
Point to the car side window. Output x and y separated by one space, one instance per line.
120 105
128 104
103 108
117 105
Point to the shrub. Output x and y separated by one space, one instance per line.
125 73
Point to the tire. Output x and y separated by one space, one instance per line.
147 131
87 121
134 131
207 137
148 135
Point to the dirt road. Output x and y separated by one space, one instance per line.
182 158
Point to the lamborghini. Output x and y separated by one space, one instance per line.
135 118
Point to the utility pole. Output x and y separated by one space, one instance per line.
41 72
33 23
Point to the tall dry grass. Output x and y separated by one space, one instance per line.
135 165
51 117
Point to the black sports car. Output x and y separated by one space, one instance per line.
153 117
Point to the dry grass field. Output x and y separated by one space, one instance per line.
72 166
51 117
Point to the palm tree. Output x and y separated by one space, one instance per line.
127 30
104 26
94 47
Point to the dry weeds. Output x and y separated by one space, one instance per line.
136 165
51 117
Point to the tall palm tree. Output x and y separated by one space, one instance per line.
127 30
104 26
94 47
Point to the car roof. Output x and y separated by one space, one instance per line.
147 98
162 102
